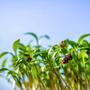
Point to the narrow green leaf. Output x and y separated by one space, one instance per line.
45 36
72 43
3 54
4 63
82 37
33 71
3 69
34 35
16 45
17 78
22 47
85 48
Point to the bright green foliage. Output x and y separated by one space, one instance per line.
63 66
3 54
15 45
4 62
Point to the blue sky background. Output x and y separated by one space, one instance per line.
60 19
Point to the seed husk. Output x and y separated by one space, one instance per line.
69 57
62 44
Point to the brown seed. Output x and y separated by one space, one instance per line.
65 60
88 52
69 57
62 44
29 59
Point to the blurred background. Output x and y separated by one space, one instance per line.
60 19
